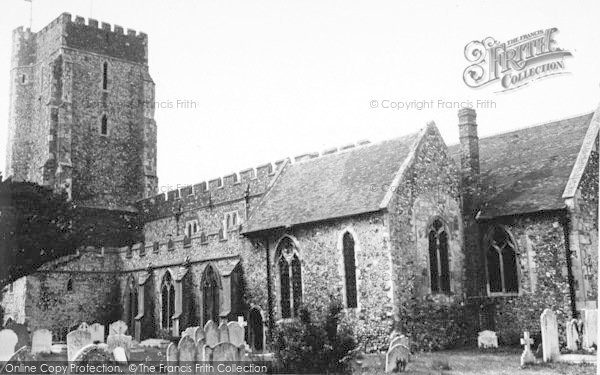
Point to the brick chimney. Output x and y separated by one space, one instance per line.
470 187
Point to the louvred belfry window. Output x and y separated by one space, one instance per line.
501 262
438 258
290 277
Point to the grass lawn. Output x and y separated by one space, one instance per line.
471 362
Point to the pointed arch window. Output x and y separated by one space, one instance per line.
70 285
290 277
438 257
168 301
210 295
501 259
350 270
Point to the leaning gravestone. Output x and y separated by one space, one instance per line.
590 328
97 331
549 335
75 341
236 334
22 333
487 339
226 351
211 334
396 358
187 349
117 328
572 335
223 332
41 341
8 340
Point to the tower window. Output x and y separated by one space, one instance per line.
70 285
104 125
23 78
105 76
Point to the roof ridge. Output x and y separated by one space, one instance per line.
536 125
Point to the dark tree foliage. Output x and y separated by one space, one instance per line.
315 347
35 227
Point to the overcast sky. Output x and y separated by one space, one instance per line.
280 78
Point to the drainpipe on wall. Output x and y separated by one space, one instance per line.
565 221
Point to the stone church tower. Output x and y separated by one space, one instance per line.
81 112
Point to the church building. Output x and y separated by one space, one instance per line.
409 234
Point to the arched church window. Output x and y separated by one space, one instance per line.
438 257
501 262
210 295
167 301
290 277
350 270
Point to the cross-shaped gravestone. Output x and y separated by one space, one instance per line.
242 322
527 356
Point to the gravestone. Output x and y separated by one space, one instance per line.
97 331
116 341
187 349
190 331
226 351
83 327
41 341
487 339
117 328
572 335
527 357
22 334
120 355
549 335
223 332
93 353
236 334
75 341
172 353
590 328
396 358
211 334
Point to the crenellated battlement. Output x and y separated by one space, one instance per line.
231 187
94 36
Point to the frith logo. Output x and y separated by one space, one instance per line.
514 63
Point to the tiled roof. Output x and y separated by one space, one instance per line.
527 170
332 186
